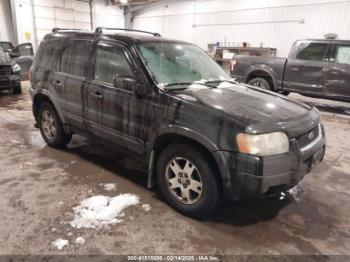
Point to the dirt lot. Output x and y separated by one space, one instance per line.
39 186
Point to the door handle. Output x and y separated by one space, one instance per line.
57 83
294 68
96 95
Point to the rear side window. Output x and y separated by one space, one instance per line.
47 53
343 54
75 56
312 51
110 60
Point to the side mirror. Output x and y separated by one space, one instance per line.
131 84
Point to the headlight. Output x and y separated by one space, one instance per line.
262 145
16 68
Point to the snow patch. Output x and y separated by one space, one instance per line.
146 207
60 243
80 241
99 211
109 186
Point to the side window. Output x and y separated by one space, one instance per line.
342 55
110 60
312 51
75 56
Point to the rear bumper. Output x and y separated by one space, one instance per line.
252 176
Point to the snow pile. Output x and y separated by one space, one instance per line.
80 241
146 207
60 243
109 186
98 211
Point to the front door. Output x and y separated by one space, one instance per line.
73 62
338 77
112 111
305 73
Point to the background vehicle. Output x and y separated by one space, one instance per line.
9 73
22 54
155 98
317 68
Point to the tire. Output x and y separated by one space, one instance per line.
260 83
51 127
202 177
17 90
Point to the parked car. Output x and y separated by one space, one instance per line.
9 73
317 68
201 134
22 54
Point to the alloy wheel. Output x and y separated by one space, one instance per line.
184 180
48 124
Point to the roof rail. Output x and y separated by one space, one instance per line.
56 29
99 30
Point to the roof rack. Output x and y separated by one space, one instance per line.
56 29
99 30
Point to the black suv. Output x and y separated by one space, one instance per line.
9 73
203 135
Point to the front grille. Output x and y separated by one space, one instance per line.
5 71
308 137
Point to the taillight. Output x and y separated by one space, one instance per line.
30 75
233 65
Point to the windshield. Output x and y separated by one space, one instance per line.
6 45
3 55
171 63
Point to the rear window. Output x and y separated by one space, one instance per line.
47 53
312 51
75 56
343 54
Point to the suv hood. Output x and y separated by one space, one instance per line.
250 105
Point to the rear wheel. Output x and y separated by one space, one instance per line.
261 83
187 181
17 89
51 127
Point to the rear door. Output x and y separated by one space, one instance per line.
71 77
305 72
338 76
111 111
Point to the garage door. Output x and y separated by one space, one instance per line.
60 13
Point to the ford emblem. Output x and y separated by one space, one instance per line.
311 136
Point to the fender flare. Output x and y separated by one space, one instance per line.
264 68
182 131
53 101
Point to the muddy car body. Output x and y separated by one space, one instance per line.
9 73
198 138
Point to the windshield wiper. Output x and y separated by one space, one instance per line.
184 85
175 86
220 81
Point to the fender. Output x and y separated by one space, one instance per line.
264 68
177 130
53 101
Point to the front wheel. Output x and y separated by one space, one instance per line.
261 83
51 127
187 181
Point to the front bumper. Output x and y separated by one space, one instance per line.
253 176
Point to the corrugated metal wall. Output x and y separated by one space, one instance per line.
36 18
275 23
6 32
